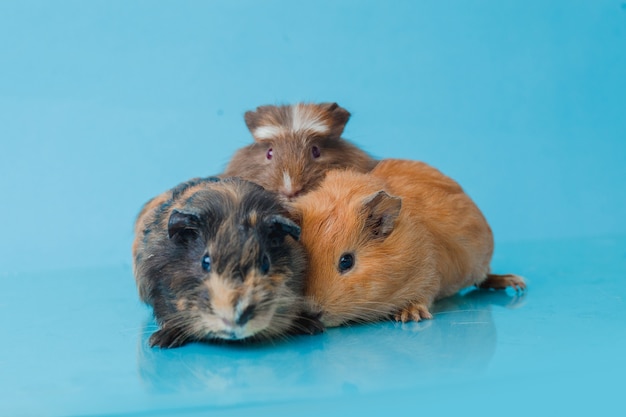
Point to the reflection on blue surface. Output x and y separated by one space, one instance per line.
77 338
357 359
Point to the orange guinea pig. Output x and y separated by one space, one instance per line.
391 242
294 146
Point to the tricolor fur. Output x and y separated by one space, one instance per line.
239 226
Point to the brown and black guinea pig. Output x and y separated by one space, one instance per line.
294 146
391 242
218 259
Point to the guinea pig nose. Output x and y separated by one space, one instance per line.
245 316
228 322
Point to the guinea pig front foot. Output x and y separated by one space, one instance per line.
307 324
413 312
166 338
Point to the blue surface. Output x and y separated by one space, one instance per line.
104 104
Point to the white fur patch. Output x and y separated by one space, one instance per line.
303 119
287 182
267 132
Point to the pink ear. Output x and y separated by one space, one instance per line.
381 211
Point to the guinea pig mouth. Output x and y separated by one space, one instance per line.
234 334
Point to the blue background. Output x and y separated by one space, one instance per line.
104 104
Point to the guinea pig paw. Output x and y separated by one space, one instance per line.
167 338
414 312
309 324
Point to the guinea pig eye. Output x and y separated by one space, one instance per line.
269 154
346 262
315 151
265 264
206 263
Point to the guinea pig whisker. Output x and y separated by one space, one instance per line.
147 332
286 337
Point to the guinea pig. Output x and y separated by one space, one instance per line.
294 146
220 260
391 242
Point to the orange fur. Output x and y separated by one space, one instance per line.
437 243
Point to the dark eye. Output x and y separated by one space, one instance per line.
265 264
269 154
346 262
206 263
315 151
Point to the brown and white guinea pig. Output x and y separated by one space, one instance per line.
219 260
294 146
391 242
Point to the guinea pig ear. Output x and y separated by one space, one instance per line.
280 227
338 117
181 222
293 211
265 122
381 211
252 120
